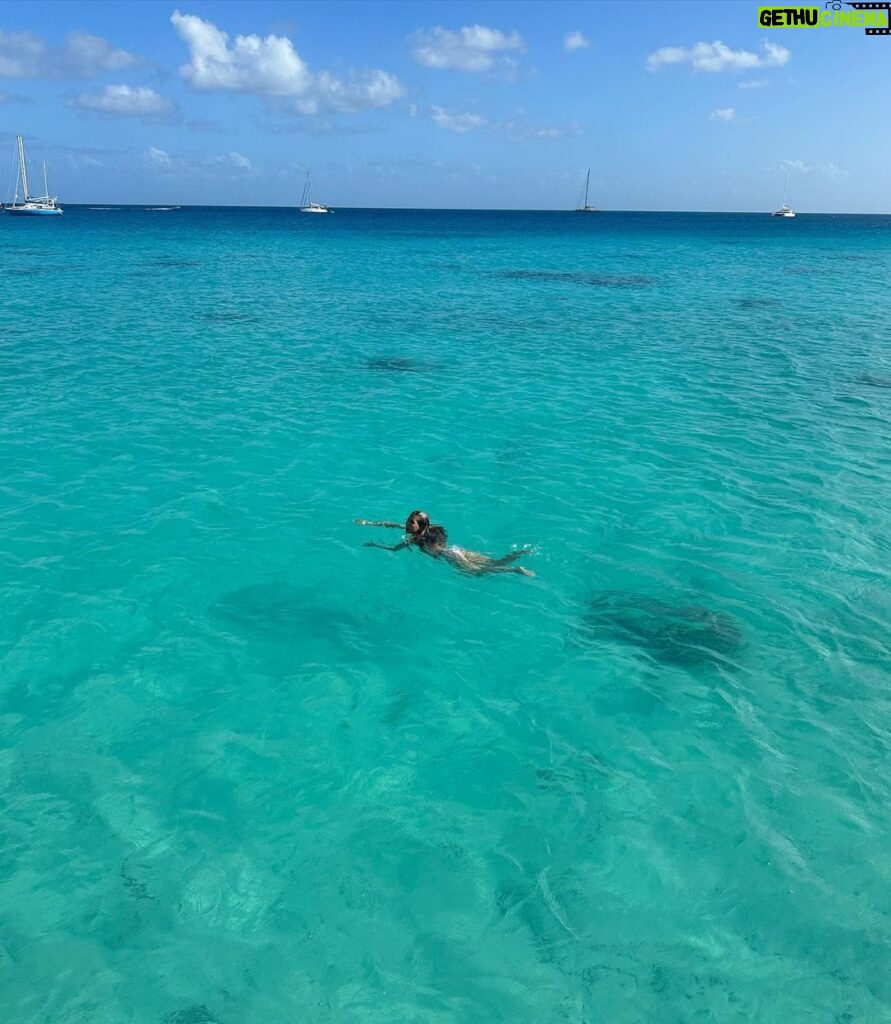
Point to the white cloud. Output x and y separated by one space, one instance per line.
723 114
457 122
717 57
795 165
25 55
158 157
321 127
575 41
516 128
271 67
833 171
216 165
21 54
80 163
125 101
370 89
829 170
86 56
473 48
753 83
522 130
239 161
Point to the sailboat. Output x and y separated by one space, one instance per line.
306 203
31 206
785 211
584 207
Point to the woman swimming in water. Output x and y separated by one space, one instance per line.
433 541
414 527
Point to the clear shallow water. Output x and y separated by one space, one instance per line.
253 771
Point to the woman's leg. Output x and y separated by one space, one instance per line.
512 557
478 565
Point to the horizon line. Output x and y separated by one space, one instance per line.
459 209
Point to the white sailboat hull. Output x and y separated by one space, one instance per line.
34 210
31 206
306 203
585 206
785 211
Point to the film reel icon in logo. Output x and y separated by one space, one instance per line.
886 7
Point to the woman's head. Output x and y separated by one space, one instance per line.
417 523
435 539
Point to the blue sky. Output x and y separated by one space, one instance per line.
674 106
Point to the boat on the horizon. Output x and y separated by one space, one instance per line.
784 210
584 207
31 206
160 209
306 203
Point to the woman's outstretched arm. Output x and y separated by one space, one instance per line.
383 522
387 547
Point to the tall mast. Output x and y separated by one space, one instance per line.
587 182
786 191
23 171
45 186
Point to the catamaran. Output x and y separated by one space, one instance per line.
306 203
583 207
31 206
785 211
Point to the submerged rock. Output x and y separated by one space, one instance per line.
400 364
874 382
191 1015
579 277
169 263
676 634
281 611
757 303
221 316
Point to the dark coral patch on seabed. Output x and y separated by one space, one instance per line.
280 611
757 303
400 364
675 634
874 382
579 277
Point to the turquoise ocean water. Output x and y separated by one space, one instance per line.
252 771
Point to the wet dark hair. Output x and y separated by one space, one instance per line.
422 519
434 537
